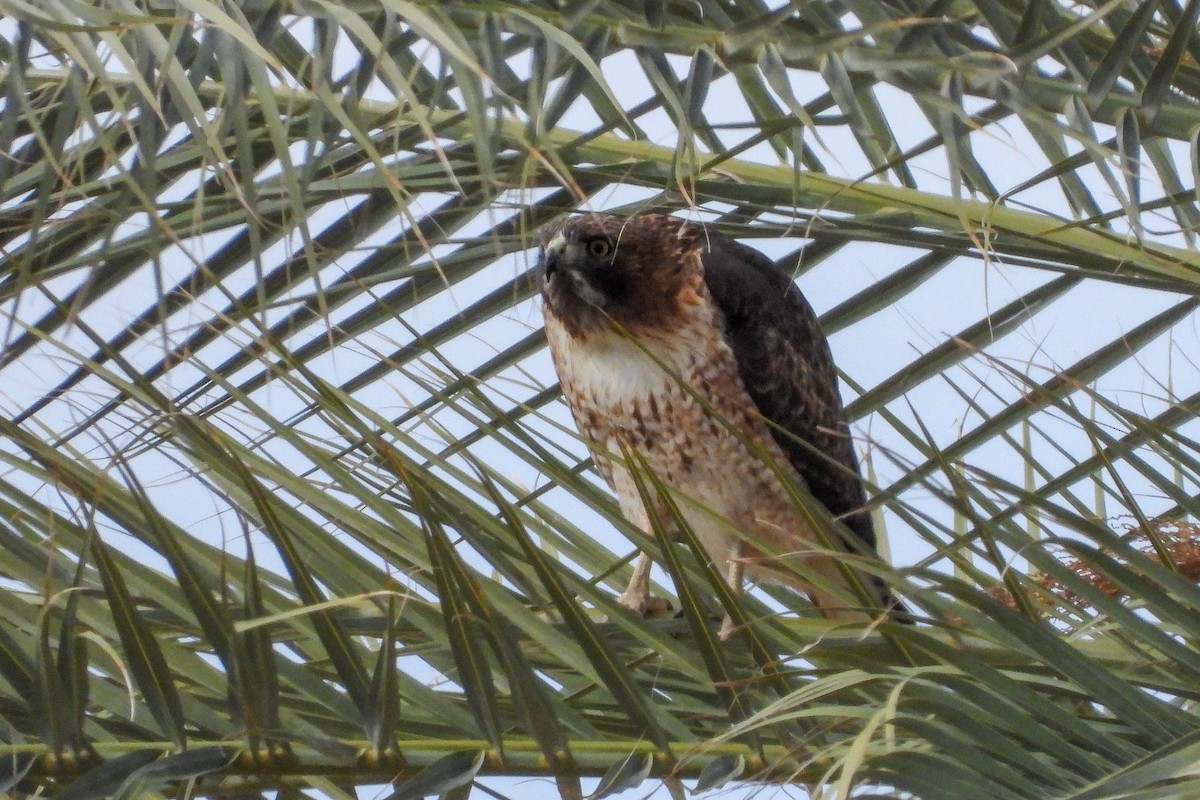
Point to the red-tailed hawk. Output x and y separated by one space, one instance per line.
696 353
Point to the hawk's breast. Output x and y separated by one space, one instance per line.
657 394
678 401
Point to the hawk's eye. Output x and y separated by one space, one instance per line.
599 248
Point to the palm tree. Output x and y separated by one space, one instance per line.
289 499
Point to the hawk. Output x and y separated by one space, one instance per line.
698 355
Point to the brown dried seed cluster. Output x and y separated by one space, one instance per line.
1178 538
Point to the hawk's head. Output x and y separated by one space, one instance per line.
639 274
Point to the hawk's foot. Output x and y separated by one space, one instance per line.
644 604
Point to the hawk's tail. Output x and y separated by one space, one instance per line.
896 610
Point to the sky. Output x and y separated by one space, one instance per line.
962 293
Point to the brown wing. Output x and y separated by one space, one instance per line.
787 368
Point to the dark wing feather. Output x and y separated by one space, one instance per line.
787 368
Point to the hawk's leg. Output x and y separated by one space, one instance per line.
736 578
637 597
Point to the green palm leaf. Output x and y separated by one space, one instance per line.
289 499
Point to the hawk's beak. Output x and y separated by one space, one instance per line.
563 273
552 253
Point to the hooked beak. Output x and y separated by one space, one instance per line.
552 253
563 273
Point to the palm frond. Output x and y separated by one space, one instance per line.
289 498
